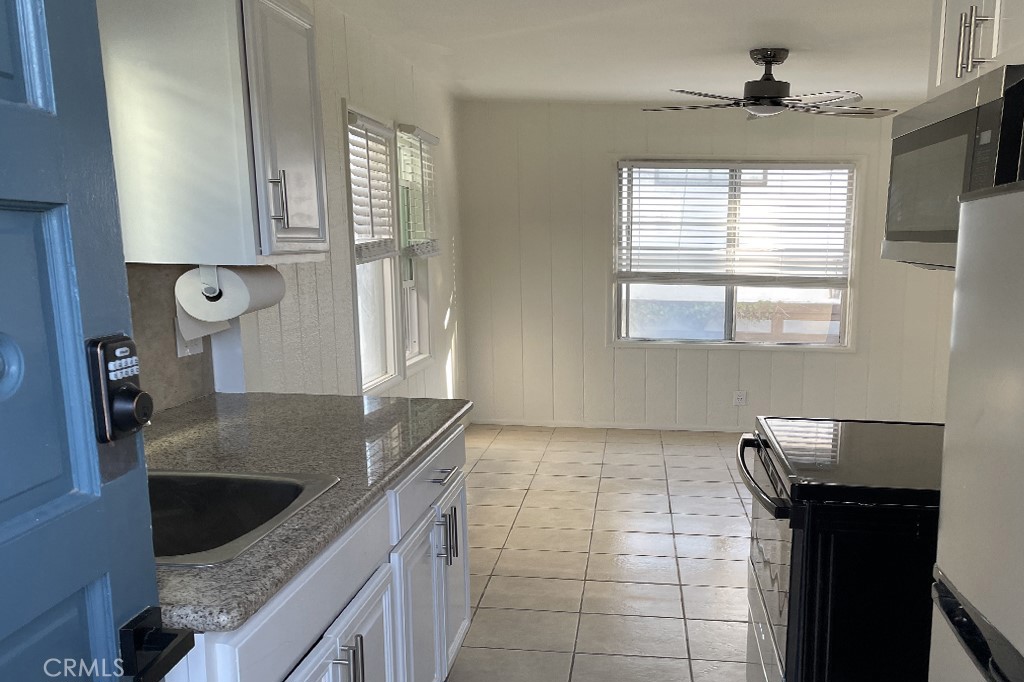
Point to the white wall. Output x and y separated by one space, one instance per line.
537 193
307 344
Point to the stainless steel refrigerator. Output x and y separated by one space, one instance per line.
978 618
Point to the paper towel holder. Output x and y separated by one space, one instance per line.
210 280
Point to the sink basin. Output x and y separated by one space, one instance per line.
200 519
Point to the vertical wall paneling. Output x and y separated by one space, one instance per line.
630 386
787 396
756 380
692 388
723 381
660 386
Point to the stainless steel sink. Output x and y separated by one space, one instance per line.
201 519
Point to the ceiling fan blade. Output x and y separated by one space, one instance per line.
851 112
703 94
730 105
830 97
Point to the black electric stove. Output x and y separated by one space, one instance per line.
843 539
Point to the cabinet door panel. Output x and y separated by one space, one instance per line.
417 570
456 581
318 665
287 128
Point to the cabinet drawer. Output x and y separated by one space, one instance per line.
426 483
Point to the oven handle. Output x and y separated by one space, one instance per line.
778 508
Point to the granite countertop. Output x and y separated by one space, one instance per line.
366 442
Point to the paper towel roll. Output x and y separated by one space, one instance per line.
243 290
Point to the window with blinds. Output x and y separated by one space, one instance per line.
733 252
370 178
416 188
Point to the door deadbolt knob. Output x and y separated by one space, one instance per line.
130 408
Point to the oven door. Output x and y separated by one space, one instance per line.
771 544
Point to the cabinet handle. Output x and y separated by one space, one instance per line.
447 553
455 532
972 33
960 46
447 476
282 180
356 662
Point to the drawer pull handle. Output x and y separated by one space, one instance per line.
447 476
282 181
453 518
446 554
356 662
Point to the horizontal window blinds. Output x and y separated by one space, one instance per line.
418 200
370 169
781 225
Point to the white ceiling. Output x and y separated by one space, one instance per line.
637 49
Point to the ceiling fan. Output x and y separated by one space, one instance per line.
769 97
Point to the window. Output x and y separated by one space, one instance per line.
417 209
370 170
728 252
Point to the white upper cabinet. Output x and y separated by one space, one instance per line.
216 130
963 42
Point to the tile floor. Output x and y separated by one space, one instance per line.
605 555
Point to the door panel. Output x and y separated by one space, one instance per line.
456 583
417 573
75 544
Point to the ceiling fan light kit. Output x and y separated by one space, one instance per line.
770 97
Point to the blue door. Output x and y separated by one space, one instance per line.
76 559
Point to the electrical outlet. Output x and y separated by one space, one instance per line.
739 398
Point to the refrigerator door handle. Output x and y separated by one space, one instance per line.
994 655
777 507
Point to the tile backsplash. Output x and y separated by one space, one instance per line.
169 379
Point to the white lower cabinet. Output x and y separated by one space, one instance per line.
451 512
360 645
417 573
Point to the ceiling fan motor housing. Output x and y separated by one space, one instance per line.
765 89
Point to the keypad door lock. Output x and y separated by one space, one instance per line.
121 406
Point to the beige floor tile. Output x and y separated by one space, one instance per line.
655 473
626 448
712 547
473 454
702 489
631 636
603 668
580 484
516 428
559 499
696 462
578 434
633 436
699 449
566 457
716 603
539 594
531 563
568 469
713 572
516 443
641 544
576 446
632 599
706 506
516 629
495 665
482 560
548 538
690 437
692 524
477 515
632 502
634 460
582 519
495 497
520 455
477 585
721 671
632 485
505 481
626 568
504 466
721 475
490 537
516 435
717 640
642 522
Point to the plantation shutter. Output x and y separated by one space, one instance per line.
736 224
418 200
370 163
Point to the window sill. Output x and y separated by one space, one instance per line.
417 364
378 386
732 345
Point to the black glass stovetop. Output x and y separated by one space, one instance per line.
856 461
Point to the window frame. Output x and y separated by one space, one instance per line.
615 303
393 315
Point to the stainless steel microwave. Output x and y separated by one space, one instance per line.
964 140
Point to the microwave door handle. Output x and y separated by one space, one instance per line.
778 508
